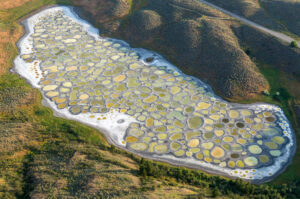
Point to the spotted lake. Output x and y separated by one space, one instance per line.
146 105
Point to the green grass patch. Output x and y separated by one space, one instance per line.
278 94
68 129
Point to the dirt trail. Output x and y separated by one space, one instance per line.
276 34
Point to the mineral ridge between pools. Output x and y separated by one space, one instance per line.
148 106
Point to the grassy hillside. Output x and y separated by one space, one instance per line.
280 15
42 156
285 12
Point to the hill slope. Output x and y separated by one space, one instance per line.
279 15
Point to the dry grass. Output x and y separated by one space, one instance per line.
15 140
8 38
173 192
2 181
79 170
127 161
8 4
14 137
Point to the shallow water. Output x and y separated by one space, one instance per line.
152 109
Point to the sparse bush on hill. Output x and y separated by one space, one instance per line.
266 92
294 44
248 51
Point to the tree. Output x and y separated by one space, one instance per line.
215 192
248 51
294 44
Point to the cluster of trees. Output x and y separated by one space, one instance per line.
219 185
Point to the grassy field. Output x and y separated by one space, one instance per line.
42 156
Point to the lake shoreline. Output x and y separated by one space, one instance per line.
107 134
